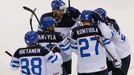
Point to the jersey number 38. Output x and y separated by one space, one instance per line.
31 66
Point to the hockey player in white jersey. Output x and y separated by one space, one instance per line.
91 54
65 18
33 59
121 44
49 36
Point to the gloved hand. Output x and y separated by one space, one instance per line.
56 49
117 63
73 12
98 17
53 48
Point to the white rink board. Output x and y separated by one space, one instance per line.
14 22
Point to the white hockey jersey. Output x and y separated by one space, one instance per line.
121 45
119 39
33 60
91 54
46 38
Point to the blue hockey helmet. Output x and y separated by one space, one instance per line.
101 11
58 5
46 22
31 37
86 15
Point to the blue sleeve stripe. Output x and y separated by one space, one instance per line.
65 44
105 40
112 33
74 47
14 66
50 57
93 38
55 59
74 43
124 38
107 43
17 62
67 48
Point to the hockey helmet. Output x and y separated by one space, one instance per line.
101 11
31 37
86 15
47 22
58 5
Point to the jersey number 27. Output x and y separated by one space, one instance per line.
85 46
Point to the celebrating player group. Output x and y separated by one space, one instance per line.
95 38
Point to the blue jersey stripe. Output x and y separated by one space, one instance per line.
67 48
55 59
50 57
17 62
63 45
14 66
107 42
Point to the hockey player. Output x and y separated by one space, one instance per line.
33 59
91 54
49 36
121 44
65 17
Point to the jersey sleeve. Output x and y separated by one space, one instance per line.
15 64
54 58
65 46
110 49
105 30
73 42
77 23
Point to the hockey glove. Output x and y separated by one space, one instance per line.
117 63
73 12
54 48
113 23
98 17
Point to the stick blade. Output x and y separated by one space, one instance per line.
27 8
8 53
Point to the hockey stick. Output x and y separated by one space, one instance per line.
68 3
114 60
30 10
31 25
8 53
97 38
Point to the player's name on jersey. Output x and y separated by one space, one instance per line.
47 37
29 51
87 30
